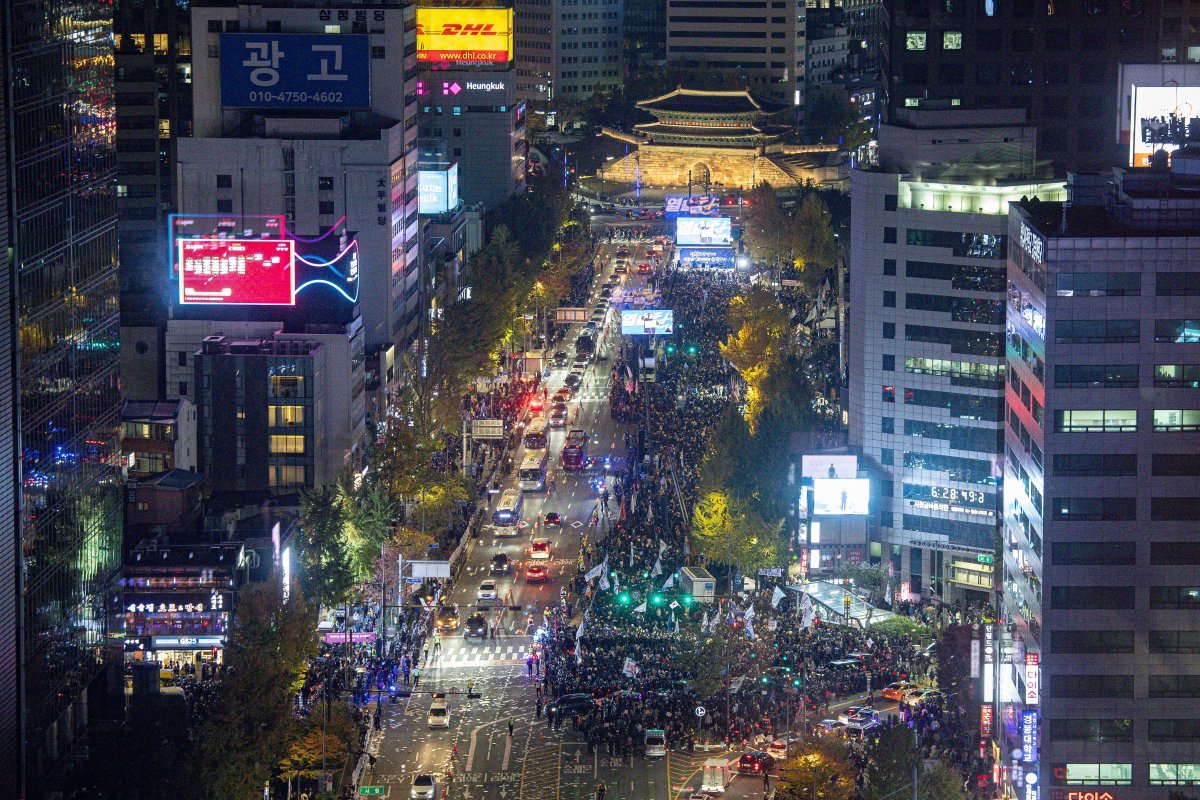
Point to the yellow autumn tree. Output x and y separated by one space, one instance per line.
761 334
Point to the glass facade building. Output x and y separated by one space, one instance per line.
61 216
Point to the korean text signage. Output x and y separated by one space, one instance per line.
237 272
706 257
986 721
699 206
1031 243
1029 736
989 664
295 70
465 35
1033 678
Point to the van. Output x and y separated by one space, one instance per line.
718 772
656 743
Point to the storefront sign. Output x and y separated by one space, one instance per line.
986 721
357 638
938 544
186 642
175 602
989 663
1033 677
1029 736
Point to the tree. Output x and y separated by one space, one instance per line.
766 226
321 744
369 514
833 119
326 576
820 769
813 242
892 761
940 782
240 742
727 531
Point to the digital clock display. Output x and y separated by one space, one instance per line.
964 496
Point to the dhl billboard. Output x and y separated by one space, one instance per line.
465 35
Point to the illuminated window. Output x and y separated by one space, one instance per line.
286 415
164 129
282 475
287 386
1176 419
1174 774
952 40
1108 774
287 444
160 44
1106 420
139 41
915 40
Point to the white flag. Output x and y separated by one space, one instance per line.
749 612
809 614
776 597
631 555
604 584
597 571
630 669
662 547
704 623
674 604
750 629
669 583
641 609
579 633
654 573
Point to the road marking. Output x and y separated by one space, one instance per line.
507 753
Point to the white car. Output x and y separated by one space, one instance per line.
865 715
487 591
540 549
846 716
424 787
439 714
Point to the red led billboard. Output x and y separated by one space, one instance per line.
253 272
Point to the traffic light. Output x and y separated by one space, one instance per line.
687 600
669 349
656 599
765 679
797 682
692 349
624 598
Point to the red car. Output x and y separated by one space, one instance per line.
536 404
535 573
644 269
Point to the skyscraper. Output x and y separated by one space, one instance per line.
61 217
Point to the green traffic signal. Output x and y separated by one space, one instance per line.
765 679
624 598
670 349
797 682
692 349
656 599
687 600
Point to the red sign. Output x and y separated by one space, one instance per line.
985 721
237 272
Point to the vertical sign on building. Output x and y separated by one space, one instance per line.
1033 677
975 654
989 663
1029 736
986 721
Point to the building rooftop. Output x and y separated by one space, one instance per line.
151 411
748 131
173 479
698 101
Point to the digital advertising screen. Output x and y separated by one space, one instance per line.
822 466
641 323
295 70
1164 117
437 190
237 272
465 35
703 231
701 205
835 496
706 257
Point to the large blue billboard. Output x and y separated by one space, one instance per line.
706 257
295 70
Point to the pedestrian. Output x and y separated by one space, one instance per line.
766 784
600 790
510 728
416 675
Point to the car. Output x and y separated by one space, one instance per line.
571 704
779 748
620 269
865 715
562 395
446 618
535 573
606 292
644 269
655 740
828 726
756 762
486 590
860 656
581 359
896 691
846 714
588 330
424 787
561 358
558 417
846 662
476 626
598 314
439 714
500 565
572 381
861 730
536 404
539 549
552 518
921 696
622 253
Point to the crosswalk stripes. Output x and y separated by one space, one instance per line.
468 655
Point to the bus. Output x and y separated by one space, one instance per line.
532 477
507 515
535 437
574 452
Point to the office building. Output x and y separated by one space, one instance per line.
1102 480
60 296
342 162
760 42
866 21
158 436
645 34
11 666
473 118
1057 61
153 61
568 49
284 413
828 53
929 234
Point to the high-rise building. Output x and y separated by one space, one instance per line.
567 48
929 234
1102 482
153 62
645 33
759 41
1056 60
329 144
60 299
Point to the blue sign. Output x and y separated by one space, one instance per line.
1029 736
706 257
295 70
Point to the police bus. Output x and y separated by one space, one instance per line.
535 437
507 516
532 476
